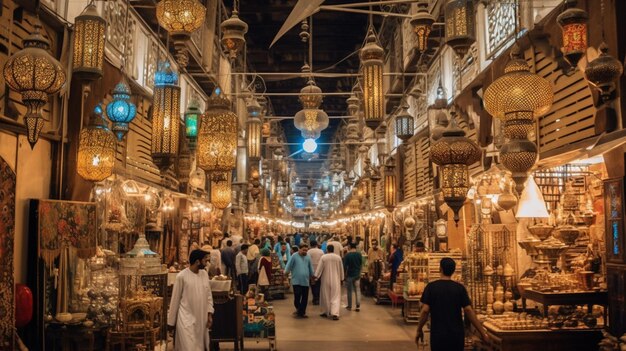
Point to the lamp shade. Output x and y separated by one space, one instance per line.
573 22
165 117
217 139
221 192
531 203
88 44
422 23
460 25
121 111
371 56
96 149
192 116
35 74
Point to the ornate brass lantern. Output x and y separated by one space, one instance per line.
88 43
391 188
453 153
573 22
460 23
233 35
422 23
191 123
180 18
96 149
519 157
221 192
405 124
121 111
603 72
217 139
372 56
165 117
35 74
254 130
311 120
353 105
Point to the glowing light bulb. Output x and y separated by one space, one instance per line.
95 161
309 145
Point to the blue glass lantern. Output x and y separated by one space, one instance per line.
121 111
165 117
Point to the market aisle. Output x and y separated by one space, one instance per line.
373 328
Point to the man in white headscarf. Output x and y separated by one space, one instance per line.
330 271
191 308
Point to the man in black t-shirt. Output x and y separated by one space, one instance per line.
444 299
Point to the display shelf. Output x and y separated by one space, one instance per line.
411 309
547 299
380 296
544 340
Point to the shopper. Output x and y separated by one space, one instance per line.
228 260
375 253
395 259
338 248
301 270
284 254
253 256
279 243
316 254
443 300
297 239
265 272
330 271
191 307
213 267
352 265
241 266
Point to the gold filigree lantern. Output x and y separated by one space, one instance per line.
88 44
217 139
96 149
460 23
422 23
221 192
165 117
180 18
311 120
233 35
371 56
391 186
35 74
254 126
453 153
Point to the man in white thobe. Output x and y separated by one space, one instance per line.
191 307
330 270
338 248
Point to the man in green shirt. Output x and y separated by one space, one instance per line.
352 264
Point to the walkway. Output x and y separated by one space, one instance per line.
373 328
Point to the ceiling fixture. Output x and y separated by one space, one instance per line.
165 117
603 72
217 139
573 22
233 33
518 98
35 74
454 153
96 149
391 187
422 23
405 123
88 44
460 25
311 120
309 145
121 111
253 131
192 114
180 18
372 56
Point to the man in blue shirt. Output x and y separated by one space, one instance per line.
301 270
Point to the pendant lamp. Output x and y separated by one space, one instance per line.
372 56
121 111
460 25
192 114
180 18
253 132
233 35
573 22
88 44
221 192
391 186
96 149
165 117
217 138
405 123
422 23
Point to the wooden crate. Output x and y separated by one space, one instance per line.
412 309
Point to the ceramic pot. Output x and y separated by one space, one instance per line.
498 307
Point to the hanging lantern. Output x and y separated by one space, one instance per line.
441 101
459 17
422 23
191 123
453 153
311 120
381 142
180 18
519 157
165 117
405 124
518 97
441 123
353 105
88 44
35 74
233 35
573 22
391 188
197 179
121 111
221 192
371 56
254 130
96 149
603 72
183 168
217 139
